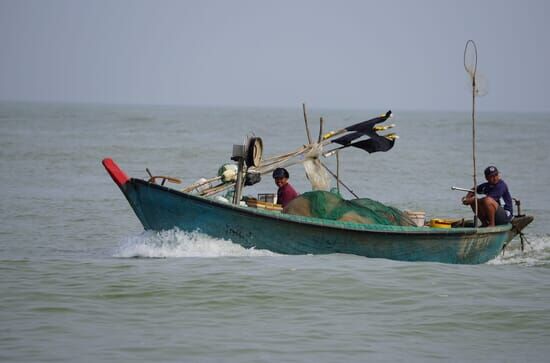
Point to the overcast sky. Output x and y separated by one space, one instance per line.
329 54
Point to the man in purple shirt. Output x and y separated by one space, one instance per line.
286 192
490 211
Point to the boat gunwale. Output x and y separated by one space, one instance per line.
326 223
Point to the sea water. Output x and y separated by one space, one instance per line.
81 280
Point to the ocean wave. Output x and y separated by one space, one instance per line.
536 252
178 243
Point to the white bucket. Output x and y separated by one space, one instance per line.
418 217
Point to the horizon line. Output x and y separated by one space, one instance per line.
260 106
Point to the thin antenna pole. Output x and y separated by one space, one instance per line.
474 145
474 91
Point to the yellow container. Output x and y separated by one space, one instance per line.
441 223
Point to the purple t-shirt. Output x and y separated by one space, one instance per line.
285 194
497 191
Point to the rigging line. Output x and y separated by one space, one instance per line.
338 180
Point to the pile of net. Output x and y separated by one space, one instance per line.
327 205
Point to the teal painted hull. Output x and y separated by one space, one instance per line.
160 208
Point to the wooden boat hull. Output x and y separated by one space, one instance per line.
161 208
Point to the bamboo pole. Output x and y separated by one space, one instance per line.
305 120
320 138
199 184
338 171
239 183
217 189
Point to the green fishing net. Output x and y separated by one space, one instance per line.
327 205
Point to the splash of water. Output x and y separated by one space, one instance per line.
178 243
536 253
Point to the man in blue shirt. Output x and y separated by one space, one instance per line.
490 212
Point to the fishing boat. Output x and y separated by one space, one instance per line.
199 207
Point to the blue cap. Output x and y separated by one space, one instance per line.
280 173
490 171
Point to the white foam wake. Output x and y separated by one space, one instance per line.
536 253
177 243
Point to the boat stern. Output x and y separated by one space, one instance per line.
518 224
